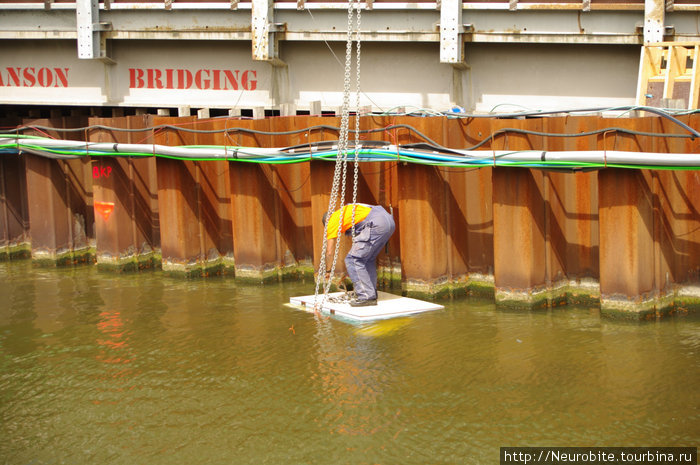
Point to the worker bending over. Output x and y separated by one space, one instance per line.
373 228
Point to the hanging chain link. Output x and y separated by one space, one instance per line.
340 172
357 118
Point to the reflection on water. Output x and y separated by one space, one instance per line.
97 368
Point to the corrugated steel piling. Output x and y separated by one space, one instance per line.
125 201
193 203
59 203
627 245
625 239
14 218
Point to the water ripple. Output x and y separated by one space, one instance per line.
144 369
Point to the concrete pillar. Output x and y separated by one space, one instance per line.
14 218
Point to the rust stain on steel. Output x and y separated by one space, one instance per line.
626 234
253 206
60 201
512 140
519 239
379 185
471 199
14 217
114 235
179 225
678 220
425 222
125 182
58 211
268 215
293 188
520 229
572 204
214 201
193 203
615 140
176 216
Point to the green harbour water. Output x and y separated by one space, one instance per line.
100 368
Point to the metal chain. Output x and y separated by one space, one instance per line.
357 117
341 161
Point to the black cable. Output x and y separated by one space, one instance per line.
578 134
656 111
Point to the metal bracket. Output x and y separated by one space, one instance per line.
451 32
91 44
654 16
265 41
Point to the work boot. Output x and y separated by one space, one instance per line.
363 303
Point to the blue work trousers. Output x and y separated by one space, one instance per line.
371 235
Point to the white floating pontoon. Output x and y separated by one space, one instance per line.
388 306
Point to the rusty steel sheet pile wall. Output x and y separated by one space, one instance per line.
625 239
59 201
14 217
125 200
193 206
